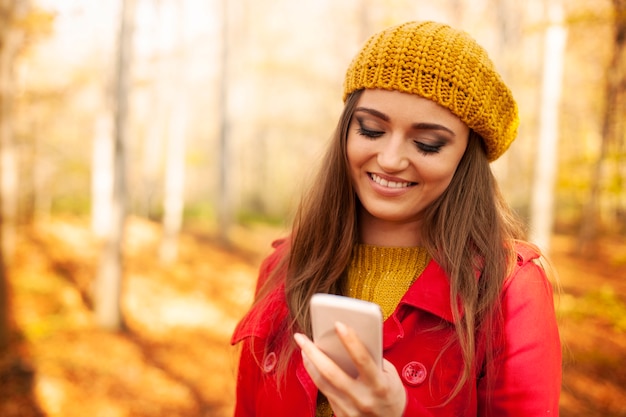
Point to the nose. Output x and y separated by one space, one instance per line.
392 156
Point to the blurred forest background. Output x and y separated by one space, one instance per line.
150 151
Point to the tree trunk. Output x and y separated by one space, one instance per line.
225 206
10 41
174 184
102 176
150 192
175 155
542 209
508 44
109 280
5 309
612 126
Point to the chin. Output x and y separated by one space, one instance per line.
393 217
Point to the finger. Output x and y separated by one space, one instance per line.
365 364
336 397
311 369
388 366
324 371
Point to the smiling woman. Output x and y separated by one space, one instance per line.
406 213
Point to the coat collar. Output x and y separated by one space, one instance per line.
431 293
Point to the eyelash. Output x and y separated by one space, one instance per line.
428 149
423 148
371 134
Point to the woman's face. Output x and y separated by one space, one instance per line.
402 151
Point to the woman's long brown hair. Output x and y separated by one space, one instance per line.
469 228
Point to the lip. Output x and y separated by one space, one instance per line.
380 184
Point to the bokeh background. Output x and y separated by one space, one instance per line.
151 150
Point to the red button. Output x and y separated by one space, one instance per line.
269 363
414 373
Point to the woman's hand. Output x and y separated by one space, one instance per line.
375 392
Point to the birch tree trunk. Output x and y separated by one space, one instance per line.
175 156
612 125
11 38
102 175
5 309
508 44
174 183
109 279
225 207
150 194
542 208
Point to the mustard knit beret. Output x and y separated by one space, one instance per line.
445 65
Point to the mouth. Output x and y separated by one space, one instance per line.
389 184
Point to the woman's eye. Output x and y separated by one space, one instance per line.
369 133
426 148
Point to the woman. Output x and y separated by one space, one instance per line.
406 213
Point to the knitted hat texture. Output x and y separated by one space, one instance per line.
446 66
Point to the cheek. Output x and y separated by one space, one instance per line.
437 175
354 153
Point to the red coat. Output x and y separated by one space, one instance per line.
529 361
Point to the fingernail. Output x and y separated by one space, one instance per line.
341 328
299 338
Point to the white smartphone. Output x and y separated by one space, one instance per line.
363 316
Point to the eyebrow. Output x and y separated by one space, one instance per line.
422 126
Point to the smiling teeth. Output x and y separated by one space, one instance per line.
389 184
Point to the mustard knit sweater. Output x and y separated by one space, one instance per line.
381 275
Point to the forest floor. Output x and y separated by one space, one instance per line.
174 358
